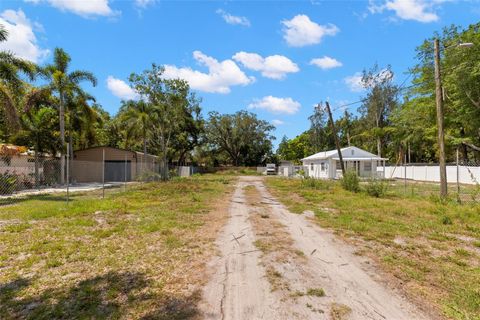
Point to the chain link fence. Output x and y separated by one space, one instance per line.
29 177
423 180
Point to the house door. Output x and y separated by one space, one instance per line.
354 165
115 171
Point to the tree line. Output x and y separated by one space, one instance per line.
399 121
47 109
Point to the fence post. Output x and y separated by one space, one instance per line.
405 174
125 184
68 173
103 174
371 169
458 177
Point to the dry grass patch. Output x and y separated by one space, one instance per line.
339 311
135 254
273 240
427 246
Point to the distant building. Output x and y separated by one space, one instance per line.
326 164
120 164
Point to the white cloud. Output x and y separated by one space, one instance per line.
121 89
144 3
417 10
301 31
326 63
220 77
277 122
235 20
84 8
276 105
21 40
273 67
354 82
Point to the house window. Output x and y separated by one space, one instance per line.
353 151
311 166
367 166
322 166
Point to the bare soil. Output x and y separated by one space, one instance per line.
273 264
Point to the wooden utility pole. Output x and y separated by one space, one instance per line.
337 143
440 117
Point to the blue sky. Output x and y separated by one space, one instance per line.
274 58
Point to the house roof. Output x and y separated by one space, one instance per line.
348 153
125 150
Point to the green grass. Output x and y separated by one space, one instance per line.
130 255
433 258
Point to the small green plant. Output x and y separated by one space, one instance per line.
316 292
8 182
350 181
446 220
376 188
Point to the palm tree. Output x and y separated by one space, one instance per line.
66 84
136 116
12 85
82 119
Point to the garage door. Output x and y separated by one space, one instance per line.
115 171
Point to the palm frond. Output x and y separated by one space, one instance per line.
36 97
11 65
81 75
8 103
61 59
3 33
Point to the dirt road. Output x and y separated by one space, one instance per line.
274 264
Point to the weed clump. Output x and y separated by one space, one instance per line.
317 184
350 181
376 188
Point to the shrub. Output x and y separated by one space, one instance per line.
8 182
350 181
376 188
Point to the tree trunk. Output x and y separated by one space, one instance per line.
379 147
62 139
164 174
464 147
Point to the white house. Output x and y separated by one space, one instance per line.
326 164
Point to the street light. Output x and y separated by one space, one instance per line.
440 116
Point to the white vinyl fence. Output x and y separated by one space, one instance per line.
431 173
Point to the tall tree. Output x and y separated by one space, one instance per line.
245 138
66 84
171 103
319 131
137 121
379 103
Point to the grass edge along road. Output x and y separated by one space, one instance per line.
137 254
431 249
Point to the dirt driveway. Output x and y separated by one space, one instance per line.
274 264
